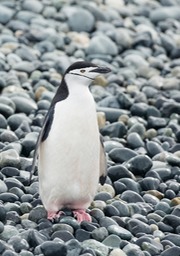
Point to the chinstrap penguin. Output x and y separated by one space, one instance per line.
71 155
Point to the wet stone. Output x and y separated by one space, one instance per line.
119 171
131 197
149 183
6 110
116 129
63 235
119 231
175 250
134 140
82 235
50 248
99 234
9 158
3 122
37 214
120 155
112 241
139 164
136 226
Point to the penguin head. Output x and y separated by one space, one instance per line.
84 72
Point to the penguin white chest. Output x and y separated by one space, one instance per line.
69 157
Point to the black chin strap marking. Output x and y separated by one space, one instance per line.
83 76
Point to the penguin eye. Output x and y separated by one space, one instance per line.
82 70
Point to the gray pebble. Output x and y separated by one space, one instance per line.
3 122
102 44
3 187
16 120
134 140
18 244
24 105
175 250
9 158
131 197
164 13
8 232
51 248
80 19
112 114
119 171
122 208
93 244
8 136
6 110
149 183
5 14
119 231
136 226
120 155
139 164
33 6
116 129
99 234
112 241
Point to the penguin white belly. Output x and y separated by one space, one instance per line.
69 157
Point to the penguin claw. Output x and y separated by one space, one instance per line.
81 215
54 215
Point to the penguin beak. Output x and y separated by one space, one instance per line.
101 70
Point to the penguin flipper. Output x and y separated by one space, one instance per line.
103 162
42 136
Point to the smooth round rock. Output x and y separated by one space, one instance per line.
37 214
139 164
131 197
120 155
99 234
81 20
33 6
119 231
134 140
24 105
6 110
136 226
3 122
5 14
51 248
102 45
119 171
8 232
9 158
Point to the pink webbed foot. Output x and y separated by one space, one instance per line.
54 215
82 215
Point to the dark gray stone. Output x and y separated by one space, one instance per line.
131 197
136 226
119 171
5 14
139 164
116 129
50 248
24 105
134 140
120 155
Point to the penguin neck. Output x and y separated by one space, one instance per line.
77 86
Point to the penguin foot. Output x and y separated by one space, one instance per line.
54 215
81 215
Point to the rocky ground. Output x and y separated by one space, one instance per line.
137 212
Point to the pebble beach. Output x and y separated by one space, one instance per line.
137 211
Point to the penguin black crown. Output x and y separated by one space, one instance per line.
71 154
